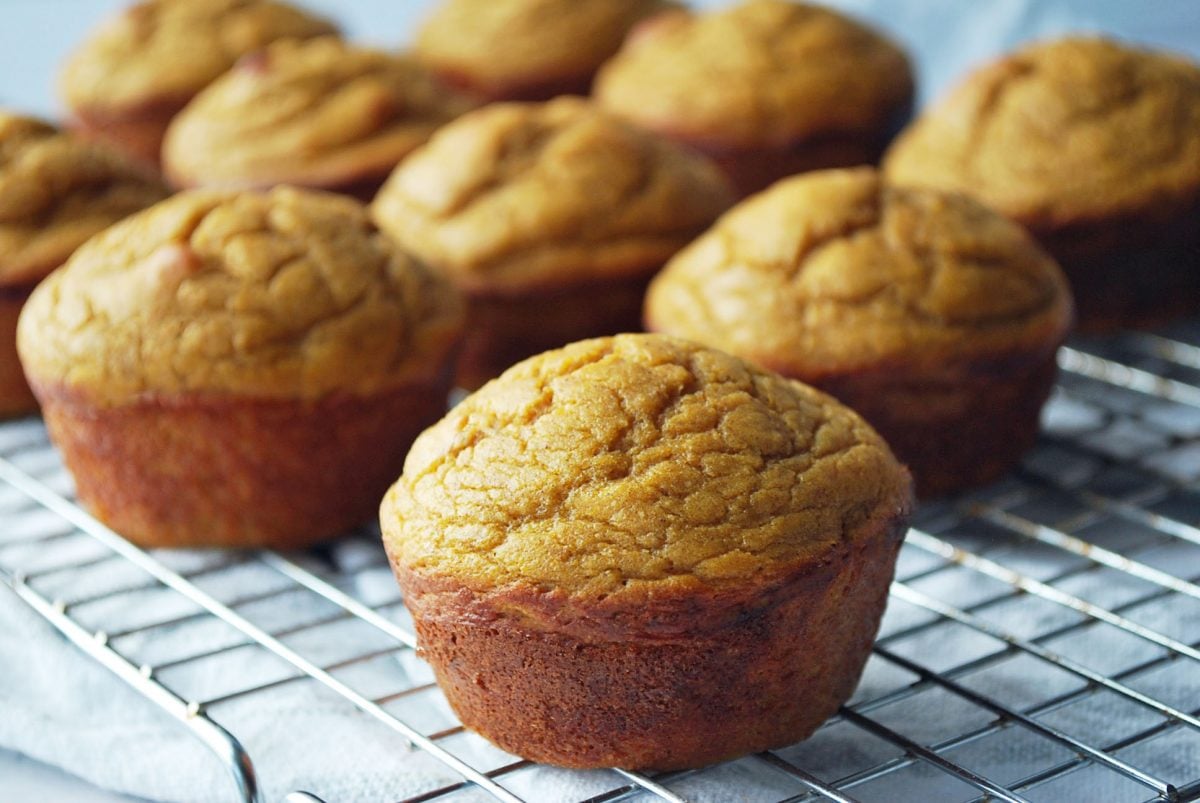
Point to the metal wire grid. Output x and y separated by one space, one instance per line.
1042 640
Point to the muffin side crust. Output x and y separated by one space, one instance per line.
636 551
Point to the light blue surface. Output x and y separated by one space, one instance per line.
945 37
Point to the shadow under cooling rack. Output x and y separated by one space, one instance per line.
1042 641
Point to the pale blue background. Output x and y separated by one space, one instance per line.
945 37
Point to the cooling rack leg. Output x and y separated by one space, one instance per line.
228 749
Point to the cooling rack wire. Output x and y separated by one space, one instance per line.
1042 637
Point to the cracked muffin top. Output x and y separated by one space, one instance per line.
162 52
522 194
318 113
1076 128
286 294
638 463
518 48
57 191
762 73
837 271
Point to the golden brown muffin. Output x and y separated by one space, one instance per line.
640 552
55 192
126 82
527 49
551 217
316 113
1092 146
239 369
932 316
768 88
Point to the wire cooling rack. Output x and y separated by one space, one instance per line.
1042 641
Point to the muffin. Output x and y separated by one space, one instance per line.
1092 146
316 113
639 552
126 82
239 369
551 218
935 318
55 192
526 49
767 88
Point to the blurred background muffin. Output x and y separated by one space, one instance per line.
55 192
230 369
134 73
767 88
317 113
526 49
932 316
1092 145
551 218
639 552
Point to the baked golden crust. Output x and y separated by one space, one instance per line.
636 465
1064 131
162 52
934 317
762 73
526 49
286 294
836 271
543 195
640 552
315 113
56 192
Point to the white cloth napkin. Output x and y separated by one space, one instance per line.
63 709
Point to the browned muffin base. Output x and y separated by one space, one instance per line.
503 330
750 170
1133 273
960 429
139 133
15 396
541 89
196 471
764 681
360 186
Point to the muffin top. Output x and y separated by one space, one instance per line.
57 191
318 112
162 52
836 271
513 48
514 195
284 294
1071 129
762 73
638 463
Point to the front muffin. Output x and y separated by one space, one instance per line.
55 192
238 369
317 113
526 49
639 552
768 88
127 81
1093 147
551 217
935 318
